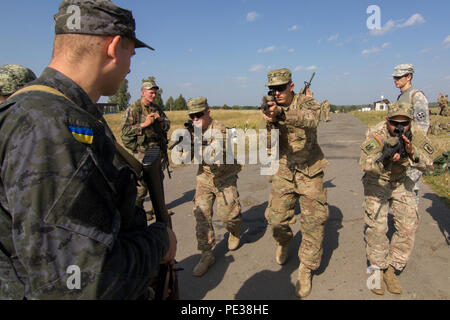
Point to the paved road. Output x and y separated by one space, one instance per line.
252 273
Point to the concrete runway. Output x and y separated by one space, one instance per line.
251 273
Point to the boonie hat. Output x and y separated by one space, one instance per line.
13 77
400 109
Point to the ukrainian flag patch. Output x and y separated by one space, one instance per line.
82 134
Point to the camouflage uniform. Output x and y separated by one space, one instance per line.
300 176
421 118
386 190
13 77
325 111
67 198
138 139
215 181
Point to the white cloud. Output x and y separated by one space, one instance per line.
251 16
447 77
186 85
366 52
190 50
446 42
293 28
300 68
426 50
266 50
291 50
415 19
333 37
257 67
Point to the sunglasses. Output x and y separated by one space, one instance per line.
279 88
197 115
400 123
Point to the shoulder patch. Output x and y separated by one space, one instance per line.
82 134
371 146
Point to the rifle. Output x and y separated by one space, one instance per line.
163 146
190 127
389 151
269 98
153 177
307 84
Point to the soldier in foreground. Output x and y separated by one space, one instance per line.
12 78
300 176
386 190
214 181
145 124
403 75
69 227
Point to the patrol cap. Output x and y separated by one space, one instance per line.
400 109
403 69
196 105
96 17
279 77
148 85
13 77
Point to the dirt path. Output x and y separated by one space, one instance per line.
252 273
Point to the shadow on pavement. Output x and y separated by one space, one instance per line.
331 238
273 285
254 224
187 196
196 288
440 213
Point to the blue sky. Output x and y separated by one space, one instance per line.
223 49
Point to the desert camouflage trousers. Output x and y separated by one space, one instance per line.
228 209
314 214
382 197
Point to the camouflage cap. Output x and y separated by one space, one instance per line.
96 17
403 69
400 109
279 77
148 85
196 105
13 77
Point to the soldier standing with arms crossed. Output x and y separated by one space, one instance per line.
139 130
386 190
67 197
214 181
403 75
300 176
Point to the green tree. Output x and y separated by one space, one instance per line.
180 103
226 107
170 104
158 100
122 97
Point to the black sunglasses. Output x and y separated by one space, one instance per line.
278 88
197 115
399 123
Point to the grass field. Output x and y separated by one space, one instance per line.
439 183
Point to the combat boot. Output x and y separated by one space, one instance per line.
303 285
378 291
392 283
206 261
281 254
233 242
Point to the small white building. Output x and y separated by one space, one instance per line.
381 105
366 109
